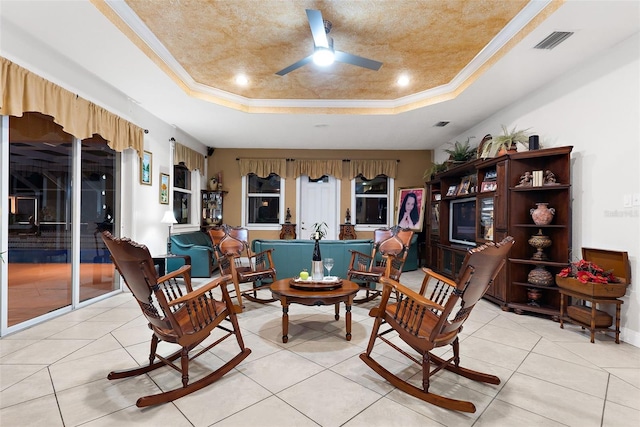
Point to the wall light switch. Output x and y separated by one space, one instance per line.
627 201
636 199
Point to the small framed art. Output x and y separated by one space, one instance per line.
452 190
465 186
488 186
145 168
164 189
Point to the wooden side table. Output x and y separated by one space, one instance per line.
565 301
288 231
347 232
161 261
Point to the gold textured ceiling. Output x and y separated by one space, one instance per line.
430 41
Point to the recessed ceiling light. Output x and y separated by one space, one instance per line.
403 80
242 80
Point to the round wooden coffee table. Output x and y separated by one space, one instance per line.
282 290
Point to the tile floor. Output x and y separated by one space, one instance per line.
54 374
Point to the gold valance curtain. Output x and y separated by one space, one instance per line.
23 91
372 168
314 169
263 167
191 158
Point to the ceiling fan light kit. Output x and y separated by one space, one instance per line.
324 54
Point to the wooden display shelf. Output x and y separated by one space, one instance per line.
521 308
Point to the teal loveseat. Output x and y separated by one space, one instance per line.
292 256
199 247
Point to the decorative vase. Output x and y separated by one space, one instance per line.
540 276
534 295
213 184
543 214
540 242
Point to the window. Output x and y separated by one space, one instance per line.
182 194
372 198
263 199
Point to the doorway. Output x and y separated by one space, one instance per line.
318 202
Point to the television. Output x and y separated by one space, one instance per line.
462 221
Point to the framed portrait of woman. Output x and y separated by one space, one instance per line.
410 208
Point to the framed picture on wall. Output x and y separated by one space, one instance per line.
411 208
145 168
164 189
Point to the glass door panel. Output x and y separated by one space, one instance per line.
39 255
97 214
485 218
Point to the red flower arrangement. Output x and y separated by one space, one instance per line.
586 271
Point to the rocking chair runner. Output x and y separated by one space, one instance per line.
392 244
231 246
427 323
175 316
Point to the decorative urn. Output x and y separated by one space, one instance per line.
543 214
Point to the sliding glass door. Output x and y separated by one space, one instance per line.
61 194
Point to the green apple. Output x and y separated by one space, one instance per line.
304 275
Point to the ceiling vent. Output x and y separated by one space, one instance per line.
553 40
441 124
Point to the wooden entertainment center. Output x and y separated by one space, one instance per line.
504 191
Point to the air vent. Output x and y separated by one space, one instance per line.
441 124
553 40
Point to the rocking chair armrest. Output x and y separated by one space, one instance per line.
180 272
254 257
409 293
436 276
357 254
200 291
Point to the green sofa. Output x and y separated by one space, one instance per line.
292 256
199 247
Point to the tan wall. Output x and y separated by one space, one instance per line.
410 171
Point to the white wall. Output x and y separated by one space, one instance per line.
596 109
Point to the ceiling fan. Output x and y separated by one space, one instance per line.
324 54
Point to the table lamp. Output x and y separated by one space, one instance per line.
169 218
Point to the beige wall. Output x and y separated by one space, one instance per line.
410 170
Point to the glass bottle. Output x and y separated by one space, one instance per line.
317 271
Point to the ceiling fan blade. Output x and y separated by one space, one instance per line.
295 66
348 58
317 28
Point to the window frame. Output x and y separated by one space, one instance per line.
194 205
245 207
390 206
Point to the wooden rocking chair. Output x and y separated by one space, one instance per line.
231 248
184 317
387 258
427 323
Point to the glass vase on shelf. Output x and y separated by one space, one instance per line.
317 270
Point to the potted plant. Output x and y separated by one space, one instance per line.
508 141
461 152
435 169
319 228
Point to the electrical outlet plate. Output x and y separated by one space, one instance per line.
636 199
626 201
